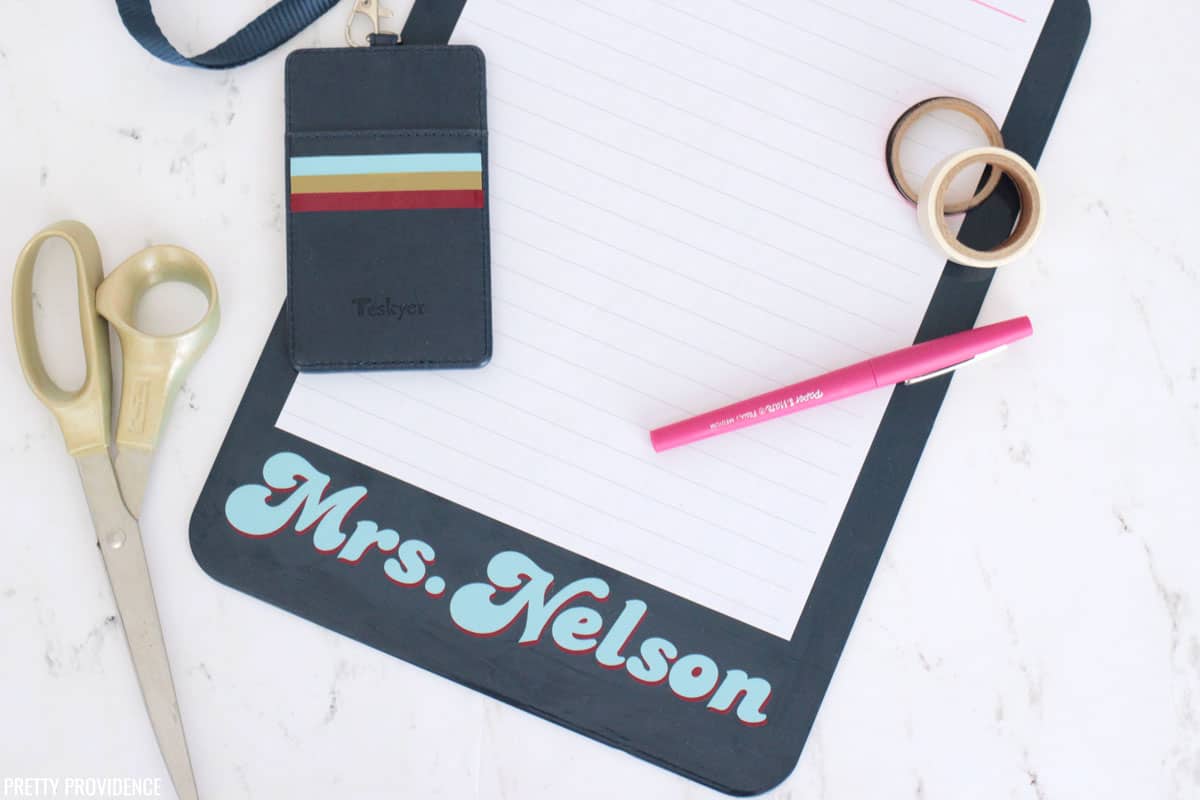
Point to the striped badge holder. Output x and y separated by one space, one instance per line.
387 221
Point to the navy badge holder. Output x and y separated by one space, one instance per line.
387 223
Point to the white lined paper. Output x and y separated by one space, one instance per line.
688 207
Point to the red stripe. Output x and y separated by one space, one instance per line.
387 201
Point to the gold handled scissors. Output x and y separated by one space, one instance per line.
154 366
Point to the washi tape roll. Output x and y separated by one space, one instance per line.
906 120
931 207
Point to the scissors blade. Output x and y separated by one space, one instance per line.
133 470
120 543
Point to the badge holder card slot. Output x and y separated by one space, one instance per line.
371 216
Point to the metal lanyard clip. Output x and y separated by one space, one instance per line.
372 10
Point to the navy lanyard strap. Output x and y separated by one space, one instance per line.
270 29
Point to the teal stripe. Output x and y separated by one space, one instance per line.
303 166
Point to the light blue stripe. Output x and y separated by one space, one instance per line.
303 166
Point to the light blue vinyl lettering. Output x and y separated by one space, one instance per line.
250 513
515 586
367 534
472 607
754 693
574 630
609 651
650 666
694 676
407 567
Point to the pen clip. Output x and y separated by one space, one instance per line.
946 370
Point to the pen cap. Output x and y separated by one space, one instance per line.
936 354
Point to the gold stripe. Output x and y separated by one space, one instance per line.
386 182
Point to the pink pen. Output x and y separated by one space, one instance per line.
910 365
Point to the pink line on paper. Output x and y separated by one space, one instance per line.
999 10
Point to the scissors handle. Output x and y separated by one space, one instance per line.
83 414
154 366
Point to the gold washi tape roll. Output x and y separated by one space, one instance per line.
905 122
931 207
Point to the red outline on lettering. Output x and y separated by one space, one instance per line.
628 639
669 661
399 541
325 513
403 585
550 622
743 694
710 692
475 635
595 637
297 478
424 577
275 532
495 589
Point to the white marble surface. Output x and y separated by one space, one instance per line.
1034 628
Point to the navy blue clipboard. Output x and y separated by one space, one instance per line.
431 607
